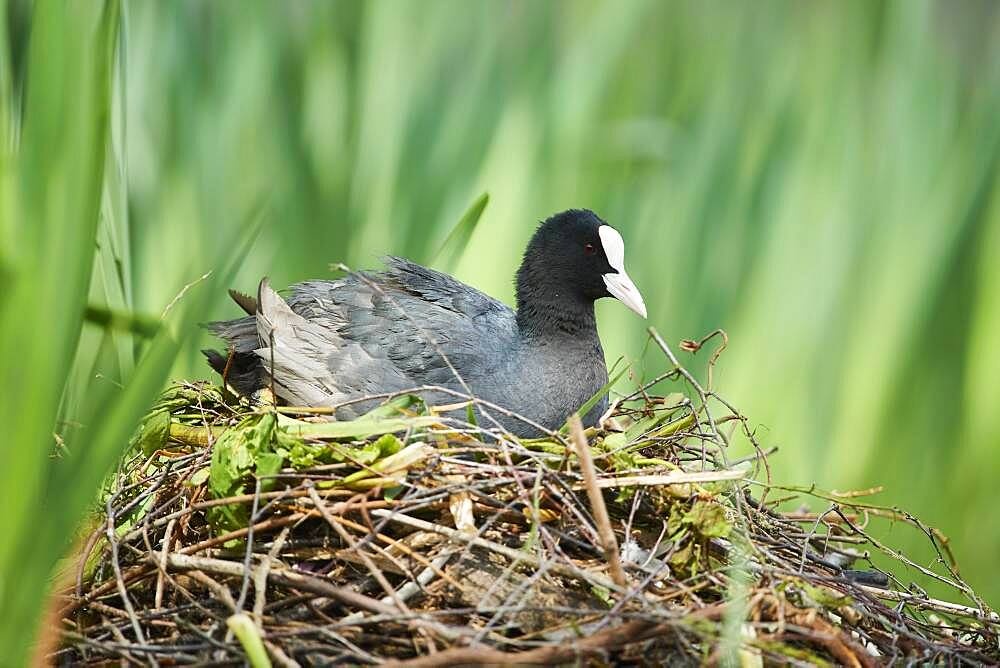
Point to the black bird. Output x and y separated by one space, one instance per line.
410 326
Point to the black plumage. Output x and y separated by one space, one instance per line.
410 326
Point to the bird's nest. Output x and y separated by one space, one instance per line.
236 533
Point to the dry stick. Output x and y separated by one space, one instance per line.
313 585
260 577
749 433
392 542
422 579
280 657
353 545
273 523
161 578
515 602
697 388
119 580
595 645
243 498
695 346
222 594
140 571
248 553
510 553
84 556
899 556
288 578
369 564
812 533
123 641
948 607
666 479
604 529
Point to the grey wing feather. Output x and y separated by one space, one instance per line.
373 333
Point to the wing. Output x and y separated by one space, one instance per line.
376 332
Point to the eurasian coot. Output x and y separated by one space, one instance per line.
410 326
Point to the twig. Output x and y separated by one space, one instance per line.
161 577
353 545
184 562
595 645
260 575
562 569
607 534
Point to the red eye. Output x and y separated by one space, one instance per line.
588 249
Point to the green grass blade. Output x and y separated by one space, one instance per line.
458 239
601 393
57 172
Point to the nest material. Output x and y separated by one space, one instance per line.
234 533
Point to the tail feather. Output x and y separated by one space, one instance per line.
276 339
243 372
216 360
295 348
241 368
245 302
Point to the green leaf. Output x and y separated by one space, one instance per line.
247 447
682 558
458 239
247 633
394 464
267 465
675 523
302 455
824 597
200 476
387 444
603 594
153 432
393 407
708 519
180 397
593 401
356 429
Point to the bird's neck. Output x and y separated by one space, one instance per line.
544 310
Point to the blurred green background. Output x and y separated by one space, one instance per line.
818 179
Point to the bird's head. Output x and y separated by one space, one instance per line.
577 257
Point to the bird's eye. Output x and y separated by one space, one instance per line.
588 249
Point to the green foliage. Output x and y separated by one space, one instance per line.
243 627
65 240
708 519
613 377
261 444
813 596
236 453
243 449
458 239
357 429
50 195
153 432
